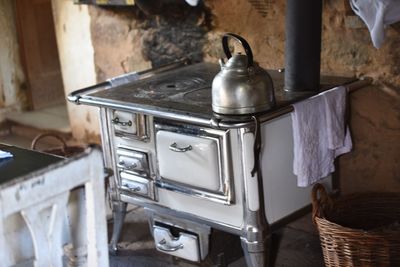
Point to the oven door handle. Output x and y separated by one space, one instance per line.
163 246
174 147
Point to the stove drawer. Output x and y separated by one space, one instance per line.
132 160
129 124
136 185
189 160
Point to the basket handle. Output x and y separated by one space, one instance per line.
320 201
44 135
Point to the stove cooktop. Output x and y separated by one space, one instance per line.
187 90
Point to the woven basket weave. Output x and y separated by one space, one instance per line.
359 229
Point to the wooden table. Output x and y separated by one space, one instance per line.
36 187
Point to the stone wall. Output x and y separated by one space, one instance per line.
126 39
12 87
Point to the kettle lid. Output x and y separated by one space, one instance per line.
238 60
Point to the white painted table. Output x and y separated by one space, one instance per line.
35 188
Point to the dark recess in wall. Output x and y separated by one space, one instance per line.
175 33
171 30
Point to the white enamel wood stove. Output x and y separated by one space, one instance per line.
193 170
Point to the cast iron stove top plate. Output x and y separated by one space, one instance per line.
187 91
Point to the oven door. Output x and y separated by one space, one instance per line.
194 161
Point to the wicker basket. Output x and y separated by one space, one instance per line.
64 150
359 229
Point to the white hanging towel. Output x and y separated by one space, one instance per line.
319 134
377 14
192 2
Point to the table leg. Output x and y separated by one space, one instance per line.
46 229
96 215
4 252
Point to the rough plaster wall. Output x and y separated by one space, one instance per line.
264 32
375 161
76 53
375 113
117 43
12 94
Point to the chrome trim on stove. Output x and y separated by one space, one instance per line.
188 190
148 110
255 236
198 118
107 156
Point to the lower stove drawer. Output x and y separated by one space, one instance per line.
185 246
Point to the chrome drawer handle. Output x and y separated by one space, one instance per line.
163 246
132 167
122 123
174 147
133 188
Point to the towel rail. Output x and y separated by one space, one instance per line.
361 83
351 87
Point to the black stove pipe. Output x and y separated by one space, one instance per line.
303 45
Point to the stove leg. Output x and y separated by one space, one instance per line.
256 253
119 212
256 236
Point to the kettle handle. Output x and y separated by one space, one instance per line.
242 41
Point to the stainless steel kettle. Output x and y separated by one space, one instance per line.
241 87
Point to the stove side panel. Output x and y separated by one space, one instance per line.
282 196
